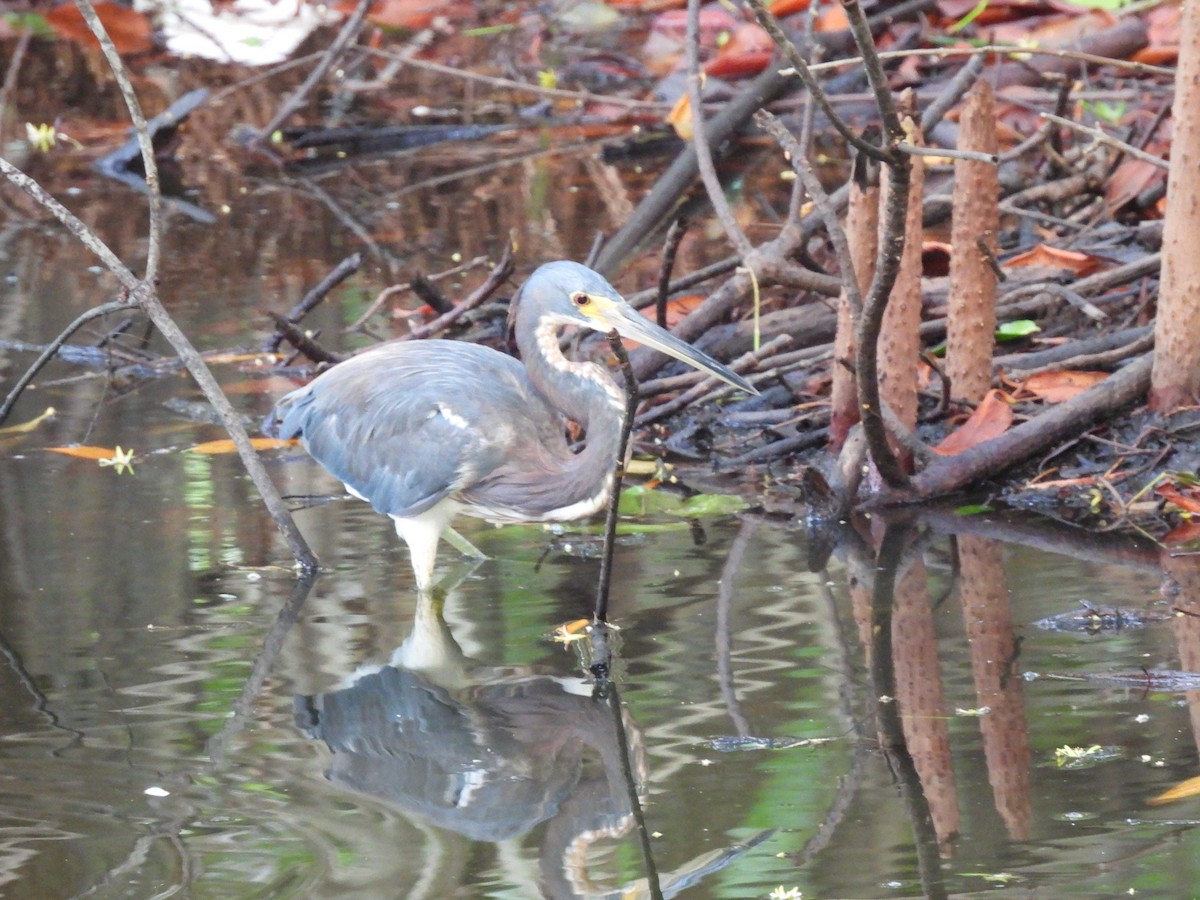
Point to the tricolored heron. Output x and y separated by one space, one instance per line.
426 430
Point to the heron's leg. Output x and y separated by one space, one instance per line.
421 533
461 544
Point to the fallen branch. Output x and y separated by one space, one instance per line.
951 473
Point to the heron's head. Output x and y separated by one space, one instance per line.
567 293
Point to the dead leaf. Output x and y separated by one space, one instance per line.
1056 258
781 8
680 117
1055 387
130 31
1182 791
740 65
212 448
991 419
1130 179
1188 502
411 15
85 452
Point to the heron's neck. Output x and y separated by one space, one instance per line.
581 391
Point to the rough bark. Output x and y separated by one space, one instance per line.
922 702
1176 377
998 686
862 235
971 325
900 339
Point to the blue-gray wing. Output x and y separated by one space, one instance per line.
408 423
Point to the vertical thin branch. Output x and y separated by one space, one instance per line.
704 158
610 518
140 129
670 248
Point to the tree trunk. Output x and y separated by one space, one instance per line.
971 326
1175 380
862 235
900 338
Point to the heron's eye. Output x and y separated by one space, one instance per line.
580 299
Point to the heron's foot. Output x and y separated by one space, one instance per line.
462 545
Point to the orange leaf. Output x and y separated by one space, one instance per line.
130 31
1172 494
227 446
1055 387
680 117
832 18
1055 258
991 419
750 62
1181 791
409 14
82 452
781 8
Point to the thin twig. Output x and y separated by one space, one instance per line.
953 92
288 330
52 348
348 33
707 382
949 153
670 248
704 156
150 166
296 314
394 289
1102 137
803 169
500 273
805 73
991 49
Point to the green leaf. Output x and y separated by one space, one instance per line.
1018 328
640 500
972 509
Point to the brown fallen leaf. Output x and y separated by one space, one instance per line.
991 419
1055 258
131 31
1055 387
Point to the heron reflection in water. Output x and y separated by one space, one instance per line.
427 430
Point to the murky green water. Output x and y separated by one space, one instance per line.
175 720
